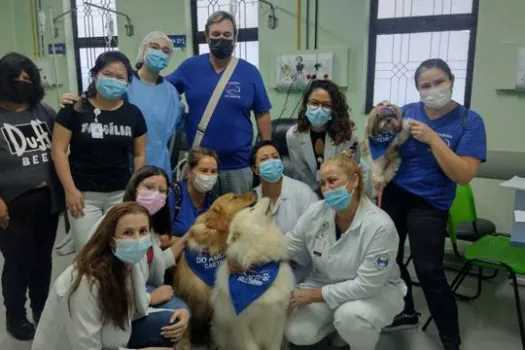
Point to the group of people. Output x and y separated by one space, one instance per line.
104 158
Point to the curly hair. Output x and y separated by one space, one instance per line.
104 271
341 126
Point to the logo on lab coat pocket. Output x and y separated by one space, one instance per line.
382 261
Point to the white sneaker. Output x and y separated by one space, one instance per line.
66 240
66 247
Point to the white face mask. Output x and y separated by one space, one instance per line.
204 183
436 98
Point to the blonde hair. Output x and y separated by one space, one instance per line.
345 161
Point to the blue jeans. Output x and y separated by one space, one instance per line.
145 332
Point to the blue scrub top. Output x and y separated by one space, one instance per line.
230 131
462 130
187 213
161 106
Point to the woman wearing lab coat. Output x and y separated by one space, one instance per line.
290 198
324 128
92 303
354 287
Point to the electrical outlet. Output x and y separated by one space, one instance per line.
294 71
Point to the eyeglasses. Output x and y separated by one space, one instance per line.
314 105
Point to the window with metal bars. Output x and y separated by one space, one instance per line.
404 33
94 32
246 17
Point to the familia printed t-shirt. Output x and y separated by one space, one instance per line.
25 150
464 133
100 147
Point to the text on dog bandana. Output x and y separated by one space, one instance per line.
246 287
204 265
379 145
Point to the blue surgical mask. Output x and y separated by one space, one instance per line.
131 251
111 88
271 170
339 199
317 116
156 60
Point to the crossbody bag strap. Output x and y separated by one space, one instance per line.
214 99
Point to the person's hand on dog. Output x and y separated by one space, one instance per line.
422 132
4 215
161 295
178 245
167 241
178 325
305 296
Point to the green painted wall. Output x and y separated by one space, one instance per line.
169 16
343 26
16 19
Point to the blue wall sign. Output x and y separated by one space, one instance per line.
179 41
58 49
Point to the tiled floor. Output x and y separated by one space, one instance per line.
488 323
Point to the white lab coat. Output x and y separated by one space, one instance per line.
80 329
152 274
303 158
358 275
295 198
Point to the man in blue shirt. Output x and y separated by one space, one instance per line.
230 130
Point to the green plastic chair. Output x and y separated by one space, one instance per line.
464 224
491 251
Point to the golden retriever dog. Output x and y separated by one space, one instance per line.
194 274
250 308
386 129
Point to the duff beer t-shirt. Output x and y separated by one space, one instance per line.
25 150
99 159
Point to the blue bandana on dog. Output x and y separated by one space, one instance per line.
379 145
246 287
204 265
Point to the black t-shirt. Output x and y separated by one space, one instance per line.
25 150
314 136
101 163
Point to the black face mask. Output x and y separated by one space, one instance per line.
23 91
221 48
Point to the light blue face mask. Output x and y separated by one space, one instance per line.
156 60
339 199
271 170
317 115
111 88
131 251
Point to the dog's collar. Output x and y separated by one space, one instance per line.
380 144
384 138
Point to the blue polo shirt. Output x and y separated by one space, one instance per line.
187 214
230 131
463 131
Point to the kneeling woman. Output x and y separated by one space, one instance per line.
92 303
355 287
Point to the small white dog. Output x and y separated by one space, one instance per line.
250 308
386 129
